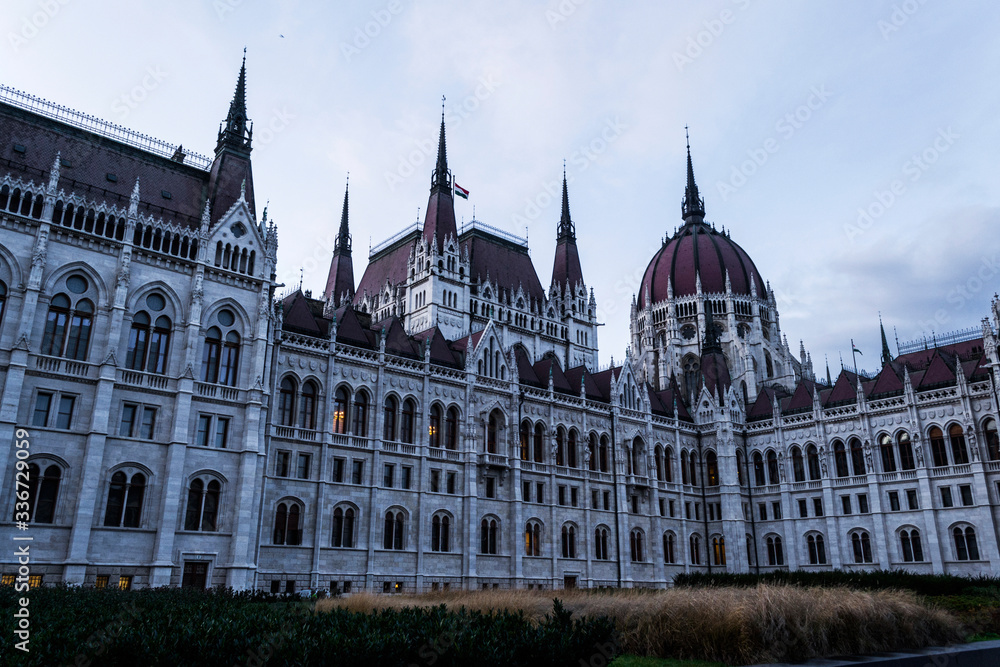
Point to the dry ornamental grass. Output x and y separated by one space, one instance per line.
737 626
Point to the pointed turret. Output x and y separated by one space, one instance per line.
231 175
886 355
340 280
566 270
236 133
439 221
693 206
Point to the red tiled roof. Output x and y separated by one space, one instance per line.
887 382
939 372
801 398
298 317
699 249
559 381
845 389
506 264
91 157
388 266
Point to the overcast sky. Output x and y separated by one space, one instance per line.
802 116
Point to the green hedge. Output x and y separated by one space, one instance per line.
178 627
922 584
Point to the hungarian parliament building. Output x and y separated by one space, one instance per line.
169 419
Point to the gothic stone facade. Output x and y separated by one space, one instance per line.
444 422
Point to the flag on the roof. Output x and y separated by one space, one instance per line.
460 191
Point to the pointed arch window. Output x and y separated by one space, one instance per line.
440 528
938 452
840 459
493 426
758 469
571 454
601 543
959 452
669 547
388 418
684 467
694 546
909 543
772 468
966 547
568 541
392 534
885 447
229 363
287 524
636 546
905 449
861 546
538 442
775 552
816 548
532 539
560 446
286 402
125 498
343 527
489 536
740 462
524 436
798 465
658 457
719 550
451 429
360 424
407 423
992 439
67 327
43 491
712 469
307 405
812 456
434 429
202 505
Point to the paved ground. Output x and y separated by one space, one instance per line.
979 654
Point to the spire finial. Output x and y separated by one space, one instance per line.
566 228
236 133
440 180
693 205
886 355
343 242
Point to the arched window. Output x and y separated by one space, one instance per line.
758 469
286 402
817 550
538 443
568 541
812 456
775 554
636 460
887 454
905 449
861 545
488 536
798 465
601 543
392 534
658 460
307 405
909 542
230 362
389 419
669 546
525 441
840 459
740 462
989 430
493 425
125 500
751 550
407 423
202 505
343 527
635 546
571 454
560 446
532 539
360 424
719 550
43 491
959 452
3 299
138 342
966 547
605 454
287 524
712 469
210 356
434 429
451 429
440 533
341 400
772 467
938 451
857 457
159 345
592 453
694 548
67 328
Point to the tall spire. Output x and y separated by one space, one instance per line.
236 133
343 242
567 273
566 227
439 221
440 179
886 355
693 206
340 280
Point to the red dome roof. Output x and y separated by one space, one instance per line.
699 249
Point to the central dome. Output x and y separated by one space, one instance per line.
699 250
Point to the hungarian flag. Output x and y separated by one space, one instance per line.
460 191
854 348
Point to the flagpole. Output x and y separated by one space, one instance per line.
854 354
